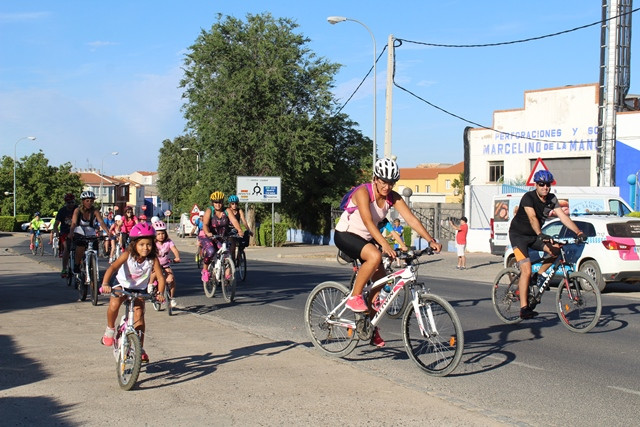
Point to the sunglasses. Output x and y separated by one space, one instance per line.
544 184
217 201
388 182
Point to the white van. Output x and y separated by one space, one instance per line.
184 226
505 206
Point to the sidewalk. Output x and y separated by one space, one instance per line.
202 370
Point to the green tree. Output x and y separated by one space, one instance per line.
39 186
458 184
259 104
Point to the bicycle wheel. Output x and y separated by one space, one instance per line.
241 265
228 282
331 325
397 306
167 299
436 349
129 361
35 247
505 295
211 284
199 259
40 246
93 278
70 274
157 305
578 302
55 248
82 287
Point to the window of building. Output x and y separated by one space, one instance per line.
447 184
496 171
417 188
427 189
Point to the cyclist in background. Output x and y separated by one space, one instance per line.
128 221
235 210
114 232
34 227
109 221
525 232
82 225
216 222
357 234
164 245
63 219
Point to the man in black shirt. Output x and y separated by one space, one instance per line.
63 218
525 232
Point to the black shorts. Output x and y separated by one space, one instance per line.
349 243
522 243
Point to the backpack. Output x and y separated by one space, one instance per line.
347 198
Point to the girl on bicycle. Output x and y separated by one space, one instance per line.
234 210
133 270
164 245
215 222
128 221
115 230
358 236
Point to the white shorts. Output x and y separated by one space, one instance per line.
460 249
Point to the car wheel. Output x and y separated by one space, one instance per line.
592 269
512 263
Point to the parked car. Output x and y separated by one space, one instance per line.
612 252
185 226
48 222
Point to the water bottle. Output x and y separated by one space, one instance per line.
384 293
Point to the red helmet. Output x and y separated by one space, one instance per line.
69 197
142 229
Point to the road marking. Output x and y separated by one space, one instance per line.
525 365
625 390
281 306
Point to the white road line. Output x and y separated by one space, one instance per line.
281 306
625 390
517 363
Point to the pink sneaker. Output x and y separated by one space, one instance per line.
107 339
205 275
356 303
376 339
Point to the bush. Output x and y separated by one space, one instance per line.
8 223
279 234
406 235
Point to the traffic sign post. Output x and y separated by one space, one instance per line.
538 166
260 189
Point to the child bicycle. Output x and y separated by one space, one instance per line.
127 348
578 300
241 257
38 247
222 272
431 331
153 291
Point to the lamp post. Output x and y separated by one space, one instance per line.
113 153
15 146
336 19
197 157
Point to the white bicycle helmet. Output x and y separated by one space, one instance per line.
387 170
88 195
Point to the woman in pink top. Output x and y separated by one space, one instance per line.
358 236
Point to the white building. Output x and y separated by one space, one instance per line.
560 126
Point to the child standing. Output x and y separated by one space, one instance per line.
164 245
133 269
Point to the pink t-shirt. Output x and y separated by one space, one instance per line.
163 252
352 222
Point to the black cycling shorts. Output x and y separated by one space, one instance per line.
349 243
522 243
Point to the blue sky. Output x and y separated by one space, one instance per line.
91 77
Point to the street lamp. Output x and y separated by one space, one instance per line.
336 19
32 138
113 153
197 157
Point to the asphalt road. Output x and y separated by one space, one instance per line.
536 373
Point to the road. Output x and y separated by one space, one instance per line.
536 373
